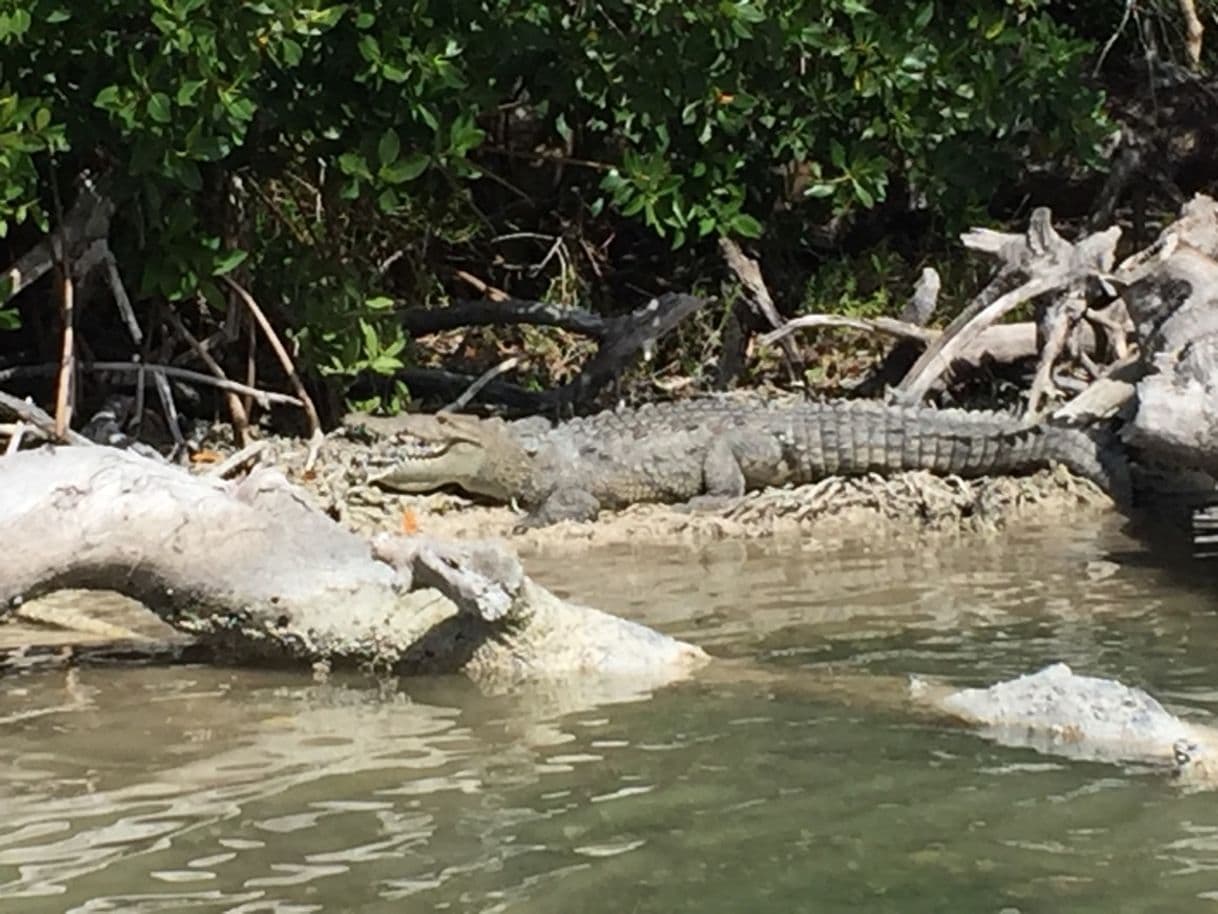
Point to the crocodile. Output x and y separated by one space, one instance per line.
704 450
1060 712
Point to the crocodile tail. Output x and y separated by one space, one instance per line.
1095 454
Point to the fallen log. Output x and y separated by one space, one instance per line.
253 571
1171 291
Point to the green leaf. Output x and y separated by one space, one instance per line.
228 262
10 319
371 340
352 163
387 201
159 108
746 225
107 97
385 364
837 154
379 303
188 91
388 148
406 169
292 52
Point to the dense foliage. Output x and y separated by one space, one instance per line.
340 151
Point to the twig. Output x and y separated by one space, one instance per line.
171 412
1112 39
282 354
1193 32
250 452
1061 319
99 254
486 289
235 409
35 416
888 325
504 311
485 378
15 431
67 358
245 319
263 397
316 440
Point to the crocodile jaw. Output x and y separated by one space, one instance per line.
435 451
424 466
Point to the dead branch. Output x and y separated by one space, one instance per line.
448 385
264 397
748 272
248 454
1033 264
1193 32
1056 327
236 410
620 340
87 221
281 353
627 336
29 413
482 380
65 386
16 433
504 312
885 325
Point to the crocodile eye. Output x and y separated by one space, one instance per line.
1182 752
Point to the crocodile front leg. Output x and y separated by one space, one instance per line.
564 503
735 463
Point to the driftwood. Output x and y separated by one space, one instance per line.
1171 291
251 570
1033 264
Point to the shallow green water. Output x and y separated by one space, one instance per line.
219 790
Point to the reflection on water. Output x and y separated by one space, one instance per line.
220 790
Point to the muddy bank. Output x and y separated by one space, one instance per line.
832 510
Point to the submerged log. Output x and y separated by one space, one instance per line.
253 570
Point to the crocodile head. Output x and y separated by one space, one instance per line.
432 451
1193 763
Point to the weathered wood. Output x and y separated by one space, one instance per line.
1033 264
253 570
1171 291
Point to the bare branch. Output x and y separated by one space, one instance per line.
264 397
280 352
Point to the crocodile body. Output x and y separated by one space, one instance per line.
720 447
1058 711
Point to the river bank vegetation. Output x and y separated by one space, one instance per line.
361 203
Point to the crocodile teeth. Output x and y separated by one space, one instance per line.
412 448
